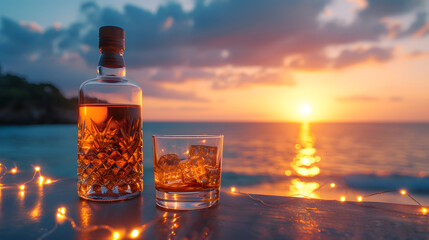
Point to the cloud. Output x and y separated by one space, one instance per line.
418 27
360 3
182 109
155 91
251 32
346 58
367 98
192 45
32 26
396 99
383 8
224 78
234 79
350 57
358 98
248 33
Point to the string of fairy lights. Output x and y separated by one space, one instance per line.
423 210
61 214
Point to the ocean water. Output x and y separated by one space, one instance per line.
290 159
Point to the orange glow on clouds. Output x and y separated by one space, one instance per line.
320 89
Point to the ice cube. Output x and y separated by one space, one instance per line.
171 177
167 176
193 170
167 161
207 152
167 170
212 176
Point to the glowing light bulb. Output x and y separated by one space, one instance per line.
359 198
60 217
22 187
233 189
116 236
62 210
288 173
332 185
424 210
37 168
61 214
14 170
135 233
403 192
48 181
21 193
343 198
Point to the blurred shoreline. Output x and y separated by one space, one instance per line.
24 103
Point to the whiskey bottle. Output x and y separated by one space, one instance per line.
110 143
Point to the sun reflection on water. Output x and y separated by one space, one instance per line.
304 165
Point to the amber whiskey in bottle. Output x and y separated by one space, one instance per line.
110 153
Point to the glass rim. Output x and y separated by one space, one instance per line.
191 136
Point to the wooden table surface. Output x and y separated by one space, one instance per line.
237 216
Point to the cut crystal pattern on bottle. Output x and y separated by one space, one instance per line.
109 151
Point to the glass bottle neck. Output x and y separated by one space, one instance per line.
111 64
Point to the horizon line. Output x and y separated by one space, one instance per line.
241 121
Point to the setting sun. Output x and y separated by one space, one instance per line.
305 109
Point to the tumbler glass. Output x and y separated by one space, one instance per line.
187 170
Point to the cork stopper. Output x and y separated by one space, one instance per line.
111 37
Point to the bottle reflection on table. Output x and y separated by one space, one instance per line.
94 218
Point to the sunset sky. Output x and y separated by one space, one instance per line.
236 60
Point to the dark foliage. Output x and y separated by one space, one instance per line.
22 102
